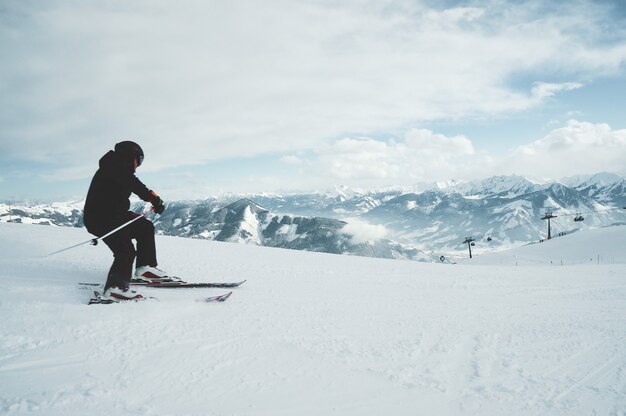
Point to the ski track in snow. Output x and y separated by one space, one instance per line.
308 334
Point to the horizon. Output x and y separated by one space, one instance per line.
294 97
416 188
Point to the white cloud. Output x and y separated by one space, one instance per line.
425 141
362 232
578 147
543 90
291 160
214 80
454 16
71 173
419 154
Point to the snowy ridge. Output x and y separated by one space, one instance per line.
337 335
598 180
58 213
498 212
506 186
246 222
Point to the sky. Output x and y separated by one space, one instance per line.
284 96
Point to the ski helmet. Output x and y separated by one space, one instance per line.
130 150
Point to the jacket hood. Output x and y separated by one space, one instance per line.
114 161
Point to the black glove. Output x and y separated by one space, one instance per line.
157 203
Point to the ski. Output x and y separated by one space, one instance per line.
99 299
219 298
183 284
177 284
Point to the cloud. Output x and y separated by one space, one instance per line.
291 160
421 155
543 90
576 148
362 232
216 80
425 141
417 155
68 174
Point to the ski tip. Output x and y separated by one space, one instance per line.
98 299
222 298
219 298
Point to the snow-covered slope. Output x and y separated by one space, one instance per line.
595 246
309 334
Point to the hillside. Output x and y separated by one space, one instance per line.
310 333
419 223
589 247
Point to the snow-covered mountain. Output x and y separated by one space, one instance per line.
496 216
244 221
603 179
500 186
498 212
69 214
604 187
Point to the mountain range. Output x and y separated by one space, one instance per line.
423 222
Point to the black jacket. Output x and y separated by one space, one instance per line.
107 200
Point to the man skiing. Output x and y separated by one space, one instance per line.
107 207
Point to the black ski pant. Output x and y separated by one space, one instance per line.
124 252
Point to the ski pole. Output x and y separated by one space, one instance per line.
94 241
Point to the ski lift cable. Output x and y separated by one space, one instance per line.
469 240
589 212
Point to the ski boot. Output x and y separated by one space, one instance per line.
152 274
120 294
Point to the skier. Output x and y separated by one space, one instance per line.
107 207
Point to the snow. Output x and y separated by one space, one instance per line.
602 179
209 234
509 185
314 333
289 232
250 233
64 208
593 246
